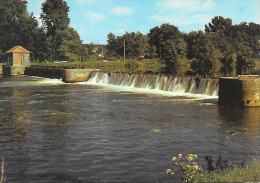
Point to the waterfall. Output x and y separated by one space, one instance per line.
180 84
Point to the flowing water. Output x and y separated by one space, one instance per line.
117 127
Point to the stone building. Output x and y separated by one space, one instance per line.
18 56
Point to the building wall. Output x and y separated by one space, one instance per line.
18 59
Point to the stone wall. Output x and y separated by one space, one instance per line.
1 69
12 70
240 91
44 71
76 75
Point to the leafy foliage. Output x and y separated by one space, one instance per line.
169 45
190 169
18 27
223 172
136 45
223 49
65 41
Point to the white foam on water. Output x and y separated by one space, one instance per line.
132 89
48 81
176 89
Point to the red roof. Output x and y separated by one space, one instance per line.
17 49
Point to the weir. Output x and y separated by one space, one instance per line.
178 84
233 91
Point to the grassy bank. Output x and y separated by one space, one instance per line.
117 66
248 173
222 172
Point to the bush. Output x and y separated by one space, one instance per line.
192 172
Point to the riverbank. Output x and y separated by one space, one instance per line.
221 171
146 65
247 173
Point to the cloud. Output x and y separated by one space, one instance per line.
187 5
95 16
181 20
86 1
123 11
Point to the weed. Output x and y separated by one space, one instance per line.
3 178
221 172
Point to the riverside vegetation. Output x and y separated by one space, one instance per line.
117 66
3 178
221 49
222 172
192 172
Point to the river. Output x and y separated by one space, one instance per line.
52 131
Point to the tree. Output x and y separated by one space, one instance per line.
204 55
136 45
71 46
18 27
218 25
55 21
237 43
111 45
170 46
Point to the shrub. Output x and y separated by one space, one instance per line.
192 172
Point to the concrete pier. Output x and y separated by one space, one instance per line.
1 69
76 75
240 91
13 70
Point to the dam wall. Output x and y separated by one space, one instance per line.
76 75
68 74
181 84
44 71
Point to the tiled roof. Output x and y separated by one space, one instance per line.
17 49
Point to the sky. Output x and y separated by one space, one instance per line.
95 19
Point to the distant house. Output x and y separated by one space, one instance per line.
18 56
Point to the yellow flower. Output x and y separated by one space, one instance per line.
180 156
188 166
190 158
195 167
188 155
172 173
168 171
174 158
195 155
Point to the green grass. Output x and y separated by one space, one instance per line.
249 173
114 66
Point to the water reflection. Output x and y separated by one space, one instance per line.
240 121
71 132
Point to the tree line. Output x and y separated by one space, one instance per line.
54 40
221 49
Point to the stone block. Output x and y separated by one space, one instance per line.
76 75
239 91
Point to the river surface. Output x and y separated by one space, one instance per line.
51 131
